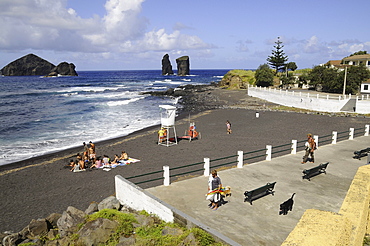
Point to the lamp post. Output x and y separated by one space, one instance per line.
345 81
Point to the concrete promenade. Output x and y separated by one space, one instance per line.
260 223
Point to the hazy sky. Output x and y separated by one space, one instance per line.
136 34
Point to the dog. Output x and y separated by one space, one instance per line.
286 206
225 191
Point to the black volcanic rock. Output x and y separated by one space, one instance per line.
32 65
27 65
183 66
64 68
166 65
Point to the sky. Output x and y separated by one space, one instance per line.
215 34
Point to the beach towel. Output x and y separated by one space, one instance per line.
129 161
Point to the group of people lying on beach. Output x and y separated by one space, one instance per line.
88 159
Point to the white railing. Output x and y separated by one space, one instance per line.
317 102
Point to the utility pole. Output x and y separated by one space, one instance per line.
345 81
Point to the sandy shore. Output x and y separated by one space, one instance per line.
40 186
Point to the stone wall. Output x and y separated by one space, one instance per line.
347 227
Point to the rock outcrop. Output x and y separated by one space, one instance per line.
166 65
237 79
32 65
116 225
183 66
65 69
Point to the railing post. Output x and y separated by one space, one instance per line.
294 147
206 167
268 152
166 175
351 133
334 137
316 137
240 159
367 130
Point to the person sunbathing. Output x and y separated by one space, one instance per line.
124 156
97 164
106 161
116 159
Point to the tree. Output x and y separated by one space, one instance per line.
355 76
359 53
287 80
264 76
325 77
291 66
278 58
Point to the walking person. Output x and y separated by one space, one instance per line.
214 187
310 148
228 127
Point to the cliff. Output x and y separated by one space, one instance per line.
32 65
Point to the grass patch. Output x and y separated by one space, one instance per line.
149 235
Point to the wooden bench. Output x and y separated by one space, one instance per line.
308 173
259 192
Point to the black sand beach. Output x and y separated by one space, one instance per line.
40 186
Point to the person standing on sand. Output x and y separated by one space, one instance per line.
86 148
92 154
228 127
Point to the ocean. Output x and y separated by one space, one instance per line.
40 115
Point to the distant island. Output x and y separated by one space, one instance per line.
32 65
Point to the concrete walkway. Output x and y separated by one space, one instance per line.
260 223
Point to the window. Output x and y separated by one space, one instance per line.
353 63
366 87
368 63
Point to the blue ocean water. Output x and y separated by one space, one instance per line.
41 115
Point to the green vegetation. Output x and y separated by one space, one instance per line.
157 232
125 221
264 76
278 58
332 80
366 240
238 79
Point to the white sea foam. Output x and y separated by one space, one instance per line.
123 102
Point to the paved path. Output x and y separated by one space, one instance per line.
260 223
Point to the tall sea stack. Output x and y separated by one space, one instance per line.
166 65
183 66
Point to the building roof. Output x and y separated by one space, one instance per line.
357 58
334 62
